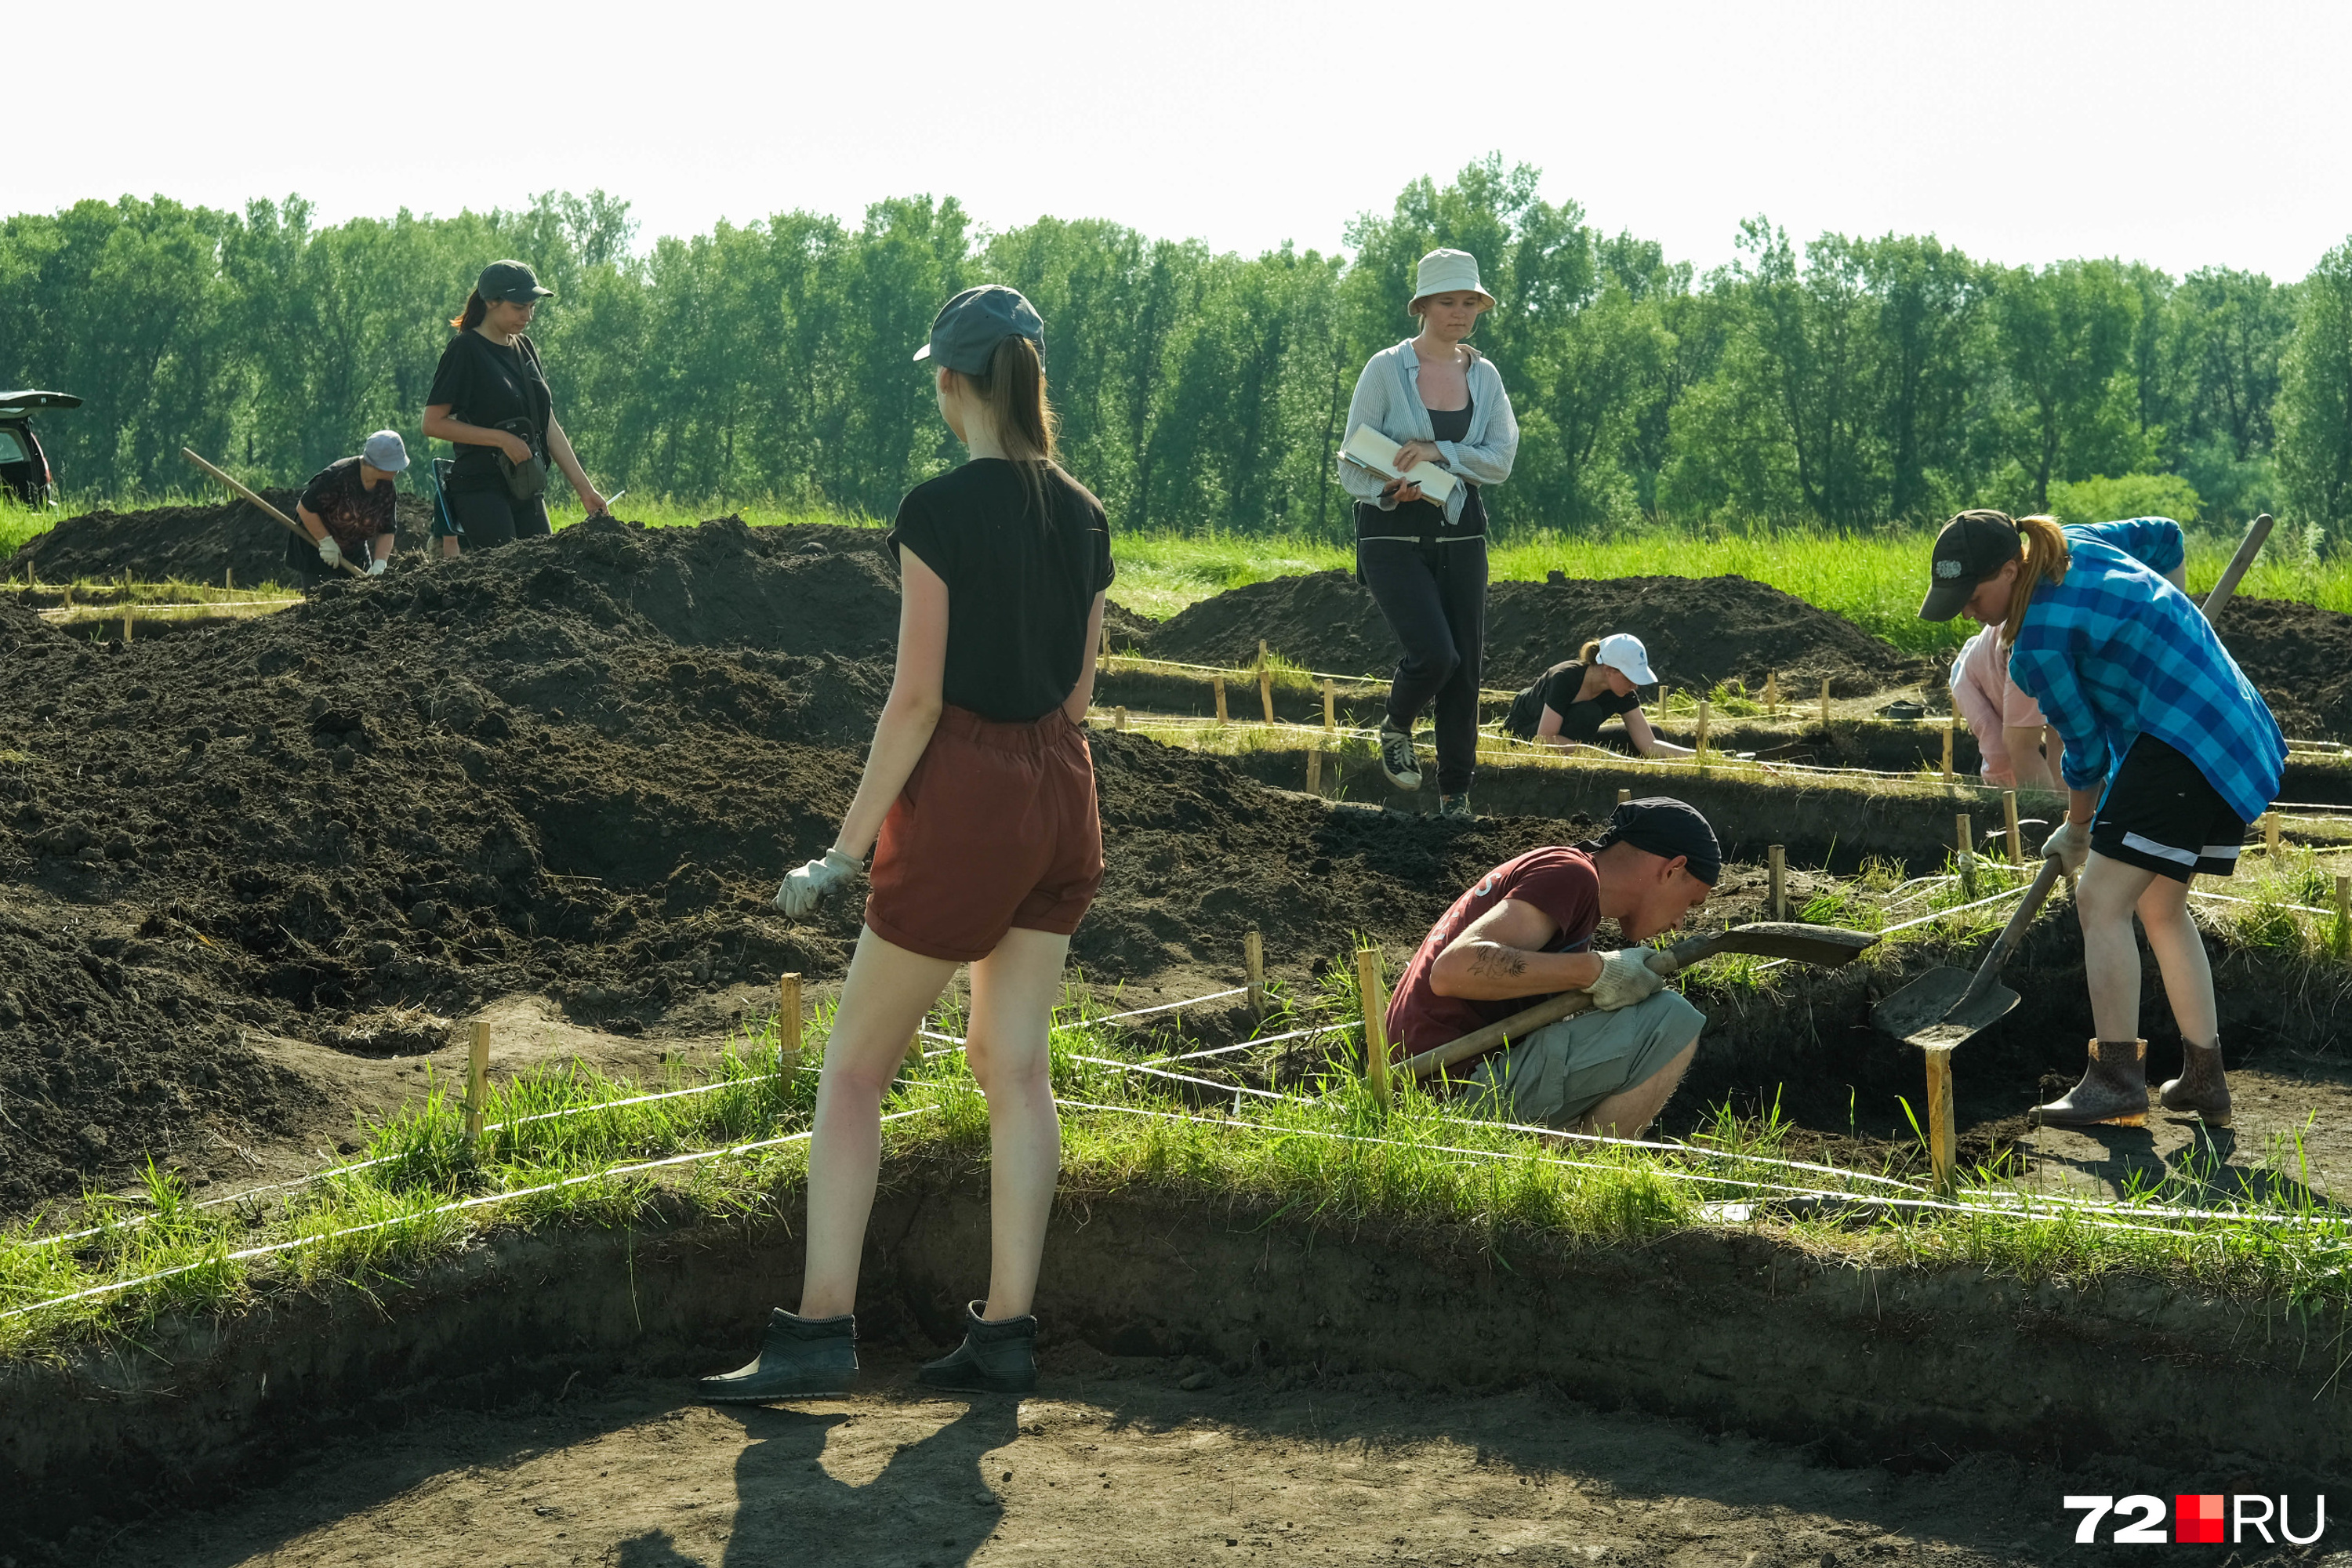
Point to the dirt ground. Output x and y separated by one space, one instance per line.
1698 631
2299 657
188 543
1126 1461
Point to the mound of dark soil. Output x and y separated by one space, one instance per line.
187 543
575 767
2299 657
1699 631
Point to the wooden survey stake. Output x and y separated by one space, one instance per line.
2008 815
478 1085
1776 861
1624 795
1375 993
1825 701
1330 715
1253 970
788 1025
1699 748
1314 770
1772 693
1949 726
1218 682
1265 682
1941 1153
1964 835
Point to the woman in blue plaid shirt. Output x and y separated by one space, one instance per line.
2170 751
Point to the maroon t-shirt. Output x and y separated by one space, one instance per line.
1556 879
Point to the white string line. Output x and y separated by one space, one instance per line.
1922 919
956 1041
485 1200
2225 898
1260 1040
1699 1149
1204 1082
1867 1199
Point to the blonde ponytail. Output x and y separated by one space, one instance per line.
2046 559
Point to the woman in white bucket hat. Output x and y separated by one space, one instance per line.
1425 561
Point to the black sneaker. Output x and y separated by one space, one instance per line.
802 1358
1456 807
1397 760
994 1358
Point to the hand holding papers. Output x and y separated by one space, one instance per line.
1368 449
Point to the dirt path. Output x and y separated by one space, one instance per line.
1118 1462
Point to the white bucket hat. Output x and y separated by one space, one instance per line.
1448 272
1623 651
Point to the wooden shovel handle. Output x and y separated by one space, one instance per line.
2248 549
265 509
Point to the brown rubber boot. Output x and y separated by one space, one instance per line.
2201 1090
2114 1089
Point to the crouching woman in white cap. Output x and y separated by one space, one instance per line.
1425 565
346 512
1569 702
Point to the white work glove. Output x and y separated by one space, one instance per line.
330 552
1626 978
376 567
805 888
2070 846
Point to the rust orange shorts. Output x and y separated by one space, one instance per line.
995 828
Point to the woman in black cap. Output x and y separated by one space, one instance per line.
977 801
490 399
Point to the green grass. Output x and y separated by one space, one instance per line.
1329 1153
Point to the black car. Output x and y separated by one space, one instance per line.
23 466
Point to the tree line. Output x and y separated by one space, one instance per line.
1845 382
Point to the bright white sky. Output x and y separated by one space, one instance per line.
2182 135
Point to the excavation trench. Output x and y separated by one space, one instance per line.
1909 1368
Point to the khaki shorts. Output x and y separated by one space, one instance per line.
1564 1069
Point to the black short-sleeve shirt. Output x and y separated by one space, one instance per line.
1582 721
1018 588
492 385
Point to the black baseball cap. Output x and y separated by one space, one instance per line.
511 281
1972 547
1666 827
965 332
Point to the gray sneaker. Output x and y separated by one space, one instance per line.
1456 807
1397 760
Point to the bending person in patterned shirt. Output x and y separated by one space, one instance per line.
2169 752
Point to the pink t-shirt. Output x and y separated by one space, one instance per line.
1558 881
1989 701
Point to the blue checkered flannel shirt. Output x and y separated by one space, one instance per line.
2115 652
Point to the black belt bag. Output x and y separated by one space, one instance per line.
526 480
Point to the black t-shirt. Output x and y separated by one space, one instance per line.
490 385
1019 590
1580 721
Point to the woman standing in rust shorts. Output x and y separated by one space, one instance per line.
981 790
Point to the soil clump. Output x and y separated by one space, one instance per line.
2299 657
1699 631
190 543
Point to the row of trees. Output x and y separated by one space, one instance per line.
1849 382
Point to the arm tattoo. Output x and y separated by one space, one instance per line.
1495 961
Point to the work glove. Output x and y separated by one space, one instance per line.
1626 978
376 567
330 552
2070 846
805 888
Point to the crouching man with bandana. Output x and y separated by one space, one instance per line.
1524 932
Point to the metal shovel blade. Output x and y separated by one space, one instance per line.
1929 1012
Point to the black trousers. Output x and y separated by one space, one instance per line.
491 518
1434 597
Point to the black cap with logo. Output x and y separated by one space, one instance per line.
510 280
1666 827
1972 547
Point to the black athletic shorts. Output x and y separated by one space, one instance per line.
2162 815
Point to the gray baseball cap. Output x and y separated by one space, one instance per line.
965 332
511 281
385 450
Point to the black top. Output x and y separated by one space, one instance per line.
498 388
1019 590
1580 721
1420 518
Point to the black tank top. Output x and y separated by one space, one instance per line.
1417 518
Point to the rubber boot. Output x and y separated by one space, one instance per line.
2202 1090
802 1358
2114 1089
994 1358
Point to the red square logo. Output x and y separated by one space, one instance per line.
2197 1518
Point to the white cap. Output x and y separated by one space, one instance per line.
385 450
1448 272
1623 651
